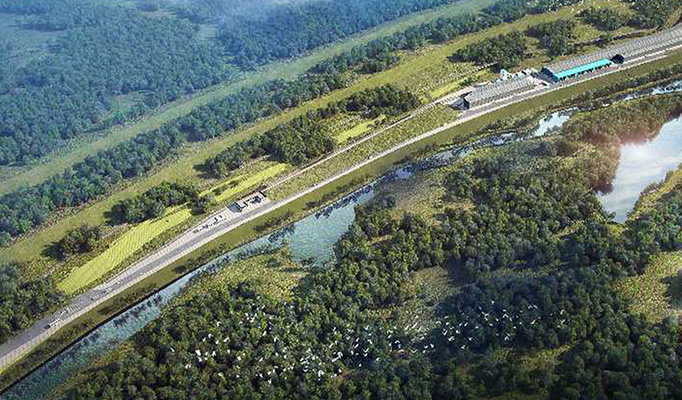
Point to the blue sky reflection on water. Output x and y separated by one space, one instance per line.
642 164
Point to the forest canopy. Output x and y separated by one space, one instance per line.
112 54
79 240
504 51
153 203
556 36
307 137
535 261
21 302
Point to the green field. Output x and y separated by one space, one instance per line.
358 130
426 64
248 181
657 293
79 150
27 45
247 232
274 273
139 236
125 246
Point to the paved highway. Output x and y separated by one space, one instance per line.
228 219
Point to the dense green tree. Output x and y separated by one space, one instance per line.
26 208
306 137
652 13
556 36
605 19
153 203
504 51
542 262
22 302
79 240
108 51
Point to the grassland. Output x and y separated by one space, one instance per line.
657 293
274 273
430 59
419 64
247 181
648 200
127 245
359 130
246 232
78 150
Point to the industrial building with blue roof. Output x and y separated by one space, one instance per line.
614 55
574 67
593 66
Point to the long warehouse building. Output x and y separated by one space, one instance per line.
498 91
617 54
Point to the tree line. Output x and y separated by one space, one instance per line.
530 214
290 30
646 14
605 19
153 203
107 52
556 37
510 49
504 51
22 302
380 54
27 208
307 137
652 13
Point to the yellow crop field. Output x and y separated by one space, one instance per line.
356 131
251 181
124 247
137 237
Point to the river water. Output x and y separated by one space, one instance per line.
310 238
640 165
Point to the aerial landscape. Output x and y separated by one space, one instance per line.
340 199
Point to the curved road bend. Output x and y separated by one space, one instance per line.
226 220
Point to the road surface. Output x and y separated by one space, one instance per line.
229 219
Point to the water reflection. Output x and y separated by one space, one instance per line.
642 164
314 237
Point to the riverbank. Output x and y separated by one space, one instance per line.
301 206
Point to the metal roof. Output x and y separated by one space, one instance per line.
577 62
632 48
500 88
583 68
